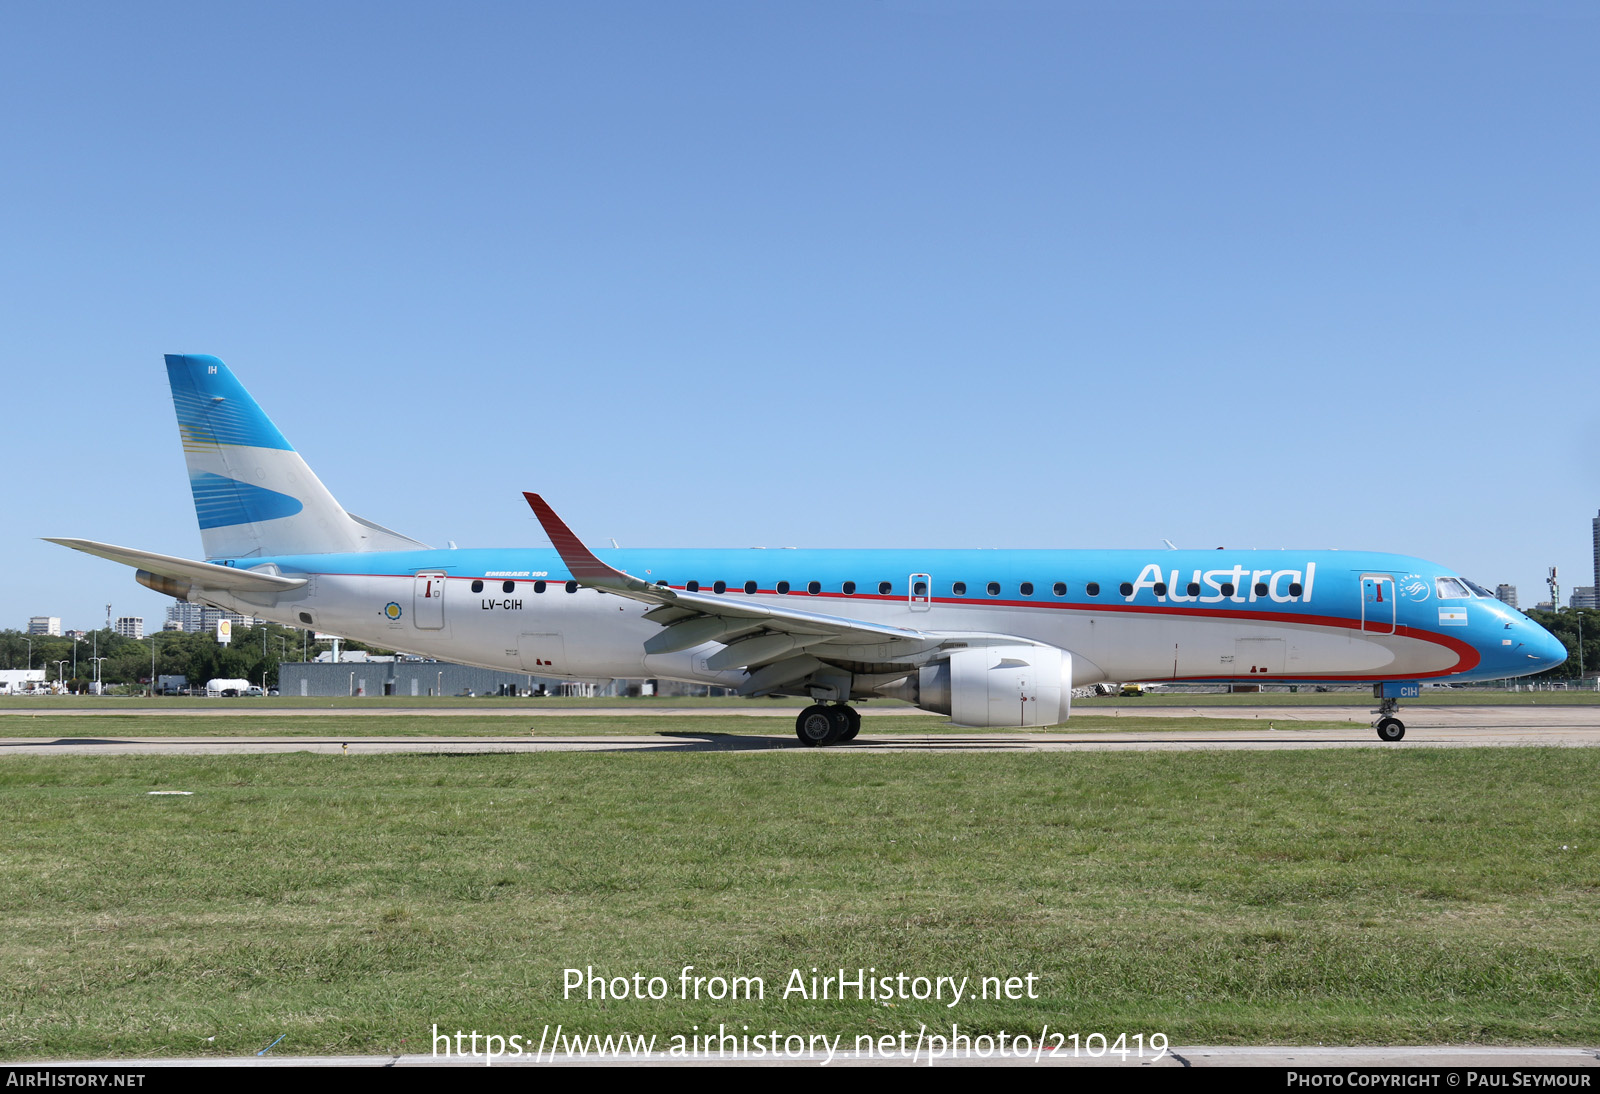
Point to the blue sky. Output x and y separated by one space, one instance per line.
822 274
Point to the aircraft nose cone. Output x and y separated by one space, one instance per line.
1544 648
1551 650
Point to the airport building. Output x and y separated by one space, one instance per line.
45 625
19 681
358 673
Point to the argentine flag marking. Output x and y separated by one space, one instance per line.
1452 617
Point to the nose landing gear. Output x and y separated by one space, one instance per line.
1389 693
1388 726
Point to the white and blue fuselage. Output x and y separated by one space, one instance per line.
1241 616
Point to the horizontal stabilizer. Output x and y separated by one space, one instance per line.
205 575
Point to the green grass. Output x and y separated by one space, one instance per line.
1363 896
128 726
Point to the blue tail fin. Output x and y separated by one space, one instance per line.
253 494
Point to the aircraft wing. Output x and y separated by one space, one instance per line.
760 637
204 574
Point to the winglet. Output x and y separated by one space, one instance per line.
580 561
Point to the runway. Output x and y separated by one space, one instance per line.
1430 727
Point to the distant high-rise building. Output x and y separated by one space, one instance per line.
1594 528
1506 594
1582 597
198 617
129 626
45 624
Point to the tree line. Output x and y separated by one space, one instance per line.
253 655
1567 624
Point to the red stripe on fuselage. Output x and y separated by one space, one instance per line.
1468 656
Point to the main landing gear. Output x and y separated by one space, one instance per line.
820 724
1388 726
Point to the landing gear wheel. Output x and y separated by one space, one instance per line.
818 725
1391 729
852 718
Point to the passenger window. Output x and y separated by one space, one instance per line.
749 587
885 588
783 586
693 586
1294 588
920 589
477 586
1026 589
1227 588
572 586
1193 588
538 586
1261 588
1059 588
508 586
993 588
1161 588
720 587
1093 588
849 588
1126 588
958 589
813 587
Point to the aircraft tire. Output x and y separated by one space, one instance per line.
852 723
817 726
1391 729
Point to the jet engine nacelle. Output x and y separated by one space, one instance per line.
992 686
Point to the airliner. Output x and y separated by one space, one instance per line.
991 638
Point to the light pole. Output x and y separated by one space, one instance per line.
60 666
98 687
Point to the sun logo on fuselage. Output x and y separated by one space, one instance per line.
392 611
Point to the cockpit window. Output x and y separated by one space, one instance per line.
1480 590
1450 588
